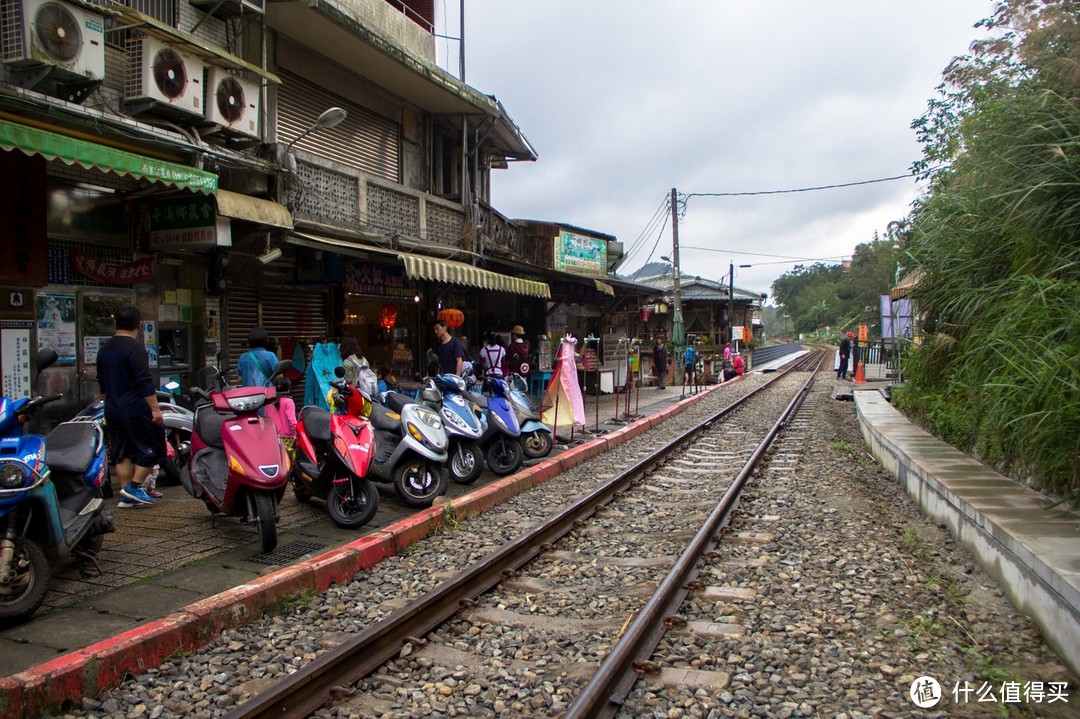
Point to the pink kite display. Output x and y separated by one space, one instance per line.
562 397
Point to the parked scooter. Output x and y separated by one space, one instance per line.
411 444
501 441
178 415
536 437
334 452
51 504
463 426
239 467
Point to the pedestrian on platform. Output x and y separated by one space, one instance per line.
517 354
353 361
690 363
659 360
284 413
493 357
134 426
256 366
727 352
845 353
448 349
738 364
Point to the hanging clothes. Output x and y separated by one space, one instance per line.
565 406
293 349
325 358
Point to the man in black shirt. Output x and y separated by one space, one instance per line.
451 353
133 422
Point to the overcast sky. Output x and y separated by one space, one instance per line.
625 99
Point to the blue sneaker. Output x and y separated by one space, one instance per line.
134 495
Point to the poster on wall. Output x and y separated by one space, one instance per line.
98 309
15 361
56 325
149 337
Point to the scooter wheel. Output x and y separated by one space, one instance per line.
418 482
352 504
29 583
536 444
466 463
504 456
303 496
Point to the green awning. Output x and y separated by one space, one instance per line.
459 273
92 156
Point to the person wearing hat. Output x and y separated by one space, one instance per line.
518 351
845 353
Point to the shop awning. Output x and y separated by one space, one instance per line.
94 156
252 209
333 244
418 267
605 288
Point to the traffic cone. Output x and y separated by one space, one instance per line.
860 372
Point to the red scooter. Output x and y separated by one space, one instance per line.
239 467
334 452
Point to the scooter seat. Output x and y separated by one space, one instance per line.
480 400
382 418
316 423
395 401
70 446
208 425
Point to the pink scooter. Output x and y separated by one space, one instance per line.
239 467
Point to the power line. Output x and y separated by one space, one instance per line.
799 189
785 258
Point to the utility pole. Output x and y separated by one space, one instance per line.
731 303
677 321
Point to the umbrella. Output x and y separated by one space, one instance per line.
679 338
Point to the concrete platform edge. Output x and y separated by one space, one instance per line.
62 681
1035 587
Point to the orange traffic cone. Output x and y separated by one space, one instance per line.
860 372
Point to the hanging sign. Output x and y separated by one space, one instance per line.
453 318
188 222
581 255
864 333
131 273
15 362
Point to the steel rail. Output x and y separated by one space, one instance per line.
613 680
304 691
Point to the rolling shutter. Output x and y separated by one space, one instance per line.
365 140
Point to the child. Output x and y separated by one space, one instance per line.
284 413
384 380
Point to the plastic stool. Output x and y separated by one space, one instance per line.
538 382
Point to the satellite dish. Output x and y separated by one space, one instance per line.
230 99
170 75
58 31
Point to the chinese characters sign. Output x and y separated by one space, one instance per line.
580 255
365 279
187 222
127 274
15 360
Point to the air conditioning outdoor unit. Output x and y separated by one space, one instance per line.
164 78
64 36
232 102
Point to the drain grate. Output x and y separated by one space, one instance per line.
286 553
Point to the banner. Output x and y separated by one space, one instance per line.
130 274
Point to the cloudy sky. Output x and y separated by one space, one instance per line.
625 99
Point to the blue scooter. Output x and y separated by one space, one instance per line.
464 428
501 441
51 504
536 437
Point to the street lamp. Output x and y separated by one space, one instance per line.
329 118
731 299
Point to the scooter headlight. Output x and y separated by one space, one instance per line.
247 402
12 476
431 419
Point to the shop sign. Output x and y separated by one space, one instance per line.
580 255
186 222
131 273
15 360
364 279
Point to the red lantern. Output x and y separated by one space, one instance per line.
645 312
388 316
452 318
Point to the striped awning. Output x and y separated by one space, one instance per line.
244 207
418 267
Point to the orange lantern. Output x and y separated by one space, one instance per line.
388 316
452 318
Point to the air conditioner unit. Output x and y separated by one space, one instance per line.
163 77
232 102
50 32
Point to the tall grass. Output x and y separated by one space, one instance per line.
998 240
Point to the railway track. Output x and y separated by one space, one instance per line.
634 545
